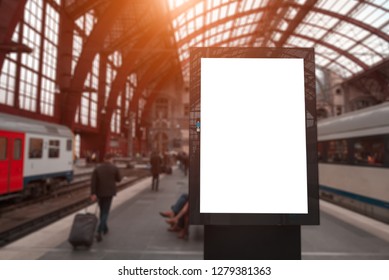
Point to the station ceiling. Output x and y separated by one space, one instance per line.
349 37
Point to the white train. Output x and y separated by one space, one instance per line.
353 152
34 156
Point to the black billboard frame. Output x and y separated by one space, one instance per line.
313 215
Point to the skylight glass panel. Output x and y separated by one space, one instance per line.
321 60
223 11
242 21
199 38
339 41
242 41
199 22
306 43
373 59
189 14
301 42
365 14
314 32
208 18
215 15
192 42
260 3
250 18
379 45
349 64
341 7
378 18
276 36
329 53
291 40
365 54
218 38
191 26
199 8
181 19
225 35
291 13
182 32
341 70
229 24
234 43
241 31
283 25
322 20
384 3
352 31
247 5
213 31
232 8
257 16
215 3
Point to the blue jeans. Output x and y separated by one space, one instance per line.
105 206
176 208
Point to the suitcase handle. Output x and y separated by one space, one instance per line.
86 209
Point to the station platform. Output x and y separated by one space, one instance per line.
138 232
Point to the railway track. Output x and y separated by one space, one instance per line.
21 221
80 181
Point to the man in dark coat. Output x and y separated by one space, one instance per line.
104 179
156 162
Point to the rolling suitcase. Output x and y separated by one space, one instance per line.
83 230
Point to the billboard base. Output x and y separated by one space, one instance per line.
252 242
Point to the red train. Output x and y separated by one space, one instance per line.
34 156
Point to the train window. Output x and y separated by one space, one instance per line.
369 151
3 148
337 151
36 148
17 149
53 148
69 145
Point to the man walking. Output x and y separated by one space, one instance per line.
155 162
104 179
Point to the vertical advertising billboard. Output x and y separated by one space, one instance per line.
253 137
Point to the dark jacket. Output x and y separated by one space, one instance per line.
156 162
104 179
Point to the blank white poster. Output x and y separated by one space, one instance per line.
253 139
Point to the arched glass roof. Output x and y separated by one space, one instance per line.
348 36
